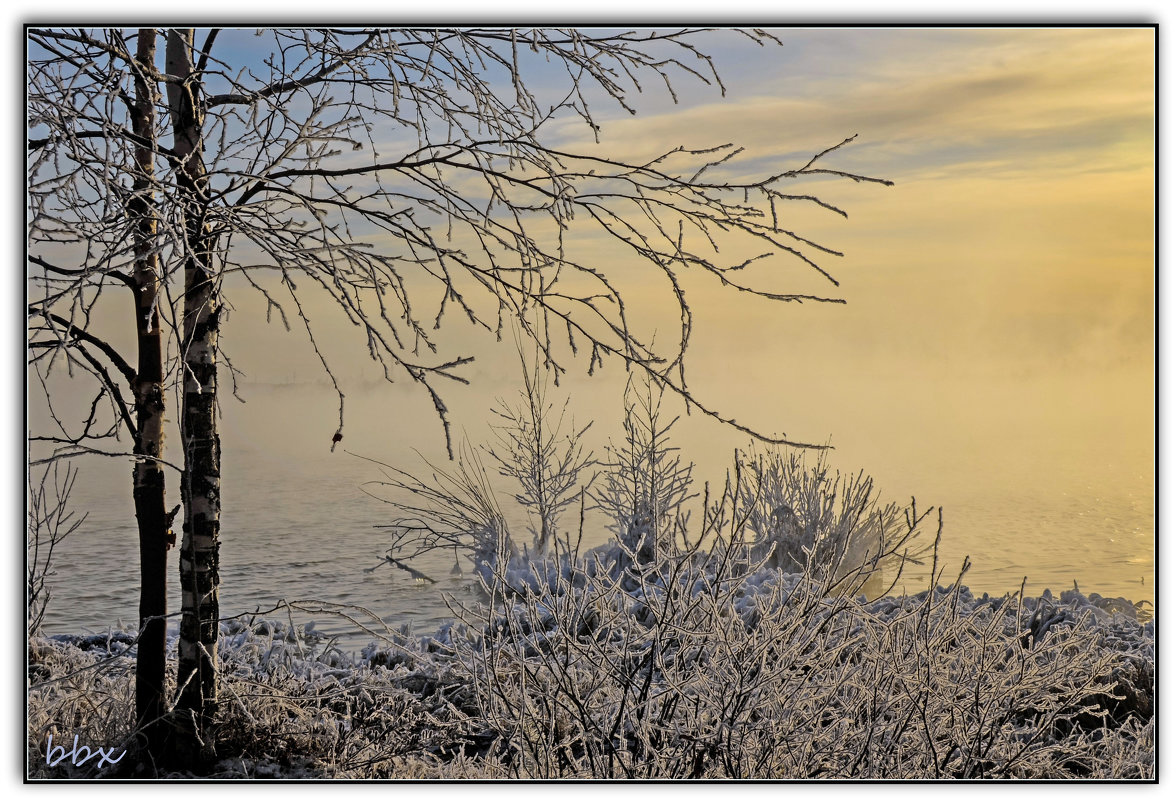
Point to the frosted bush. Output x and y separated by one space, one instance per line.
709 664
714 666
541 452
808 517
644 483
760 641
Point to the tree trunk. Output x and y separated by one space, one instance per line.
199 568
149 487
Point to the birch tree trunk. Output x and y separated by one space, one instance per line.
199 553
149 487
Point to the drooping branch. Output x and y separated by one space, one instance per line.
80 450
71 330
285 86
653 188
82 271
104 377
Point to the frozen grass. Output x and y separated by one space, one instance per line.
292 707
708 666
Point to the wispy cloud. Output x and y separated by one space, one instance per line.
926 103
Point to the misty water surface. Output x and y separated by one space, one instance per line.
1055 500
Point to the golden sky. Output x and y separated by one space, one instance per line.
1021 221
1017 241
1024 196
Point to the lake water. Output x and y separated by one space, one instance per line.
1049 504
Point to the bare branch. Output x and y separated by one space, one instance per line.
82 271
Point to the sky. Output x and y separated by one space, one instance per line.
1023 168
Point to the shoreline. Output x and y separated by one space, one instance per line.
1074 674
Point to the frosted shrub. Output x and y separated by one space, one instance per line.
50 520
542 454
714 667
455 508
539 452
809 517
644 483
757 640
710 666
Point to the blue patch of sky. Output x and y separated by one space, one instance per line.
1074 147
811 64
808 60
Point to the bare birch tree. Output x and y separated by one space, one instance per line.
401 173
93 223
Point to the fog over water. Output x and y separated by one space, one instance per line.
1056 498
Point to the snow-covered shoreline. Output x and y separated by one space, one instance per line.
460 701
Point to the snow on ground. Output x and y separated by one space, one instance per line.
462 700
